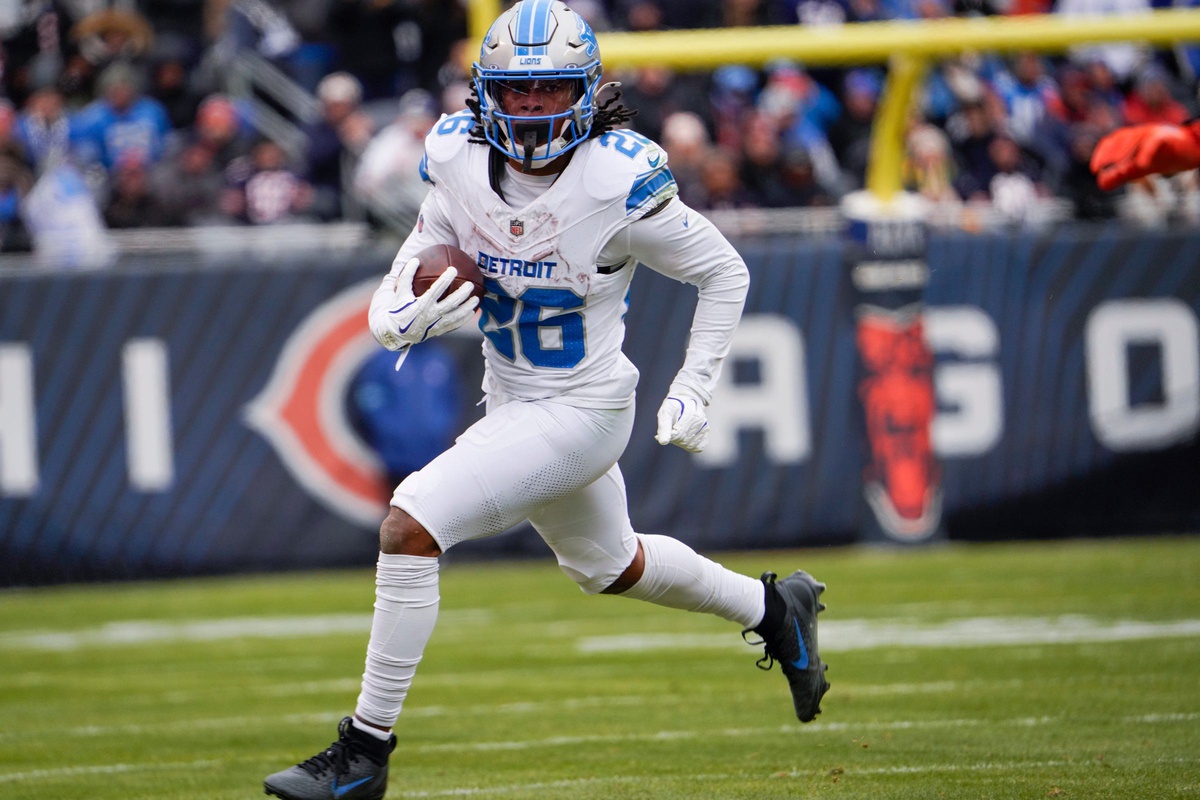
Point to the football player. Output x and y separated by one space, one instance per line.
558 205
1136 151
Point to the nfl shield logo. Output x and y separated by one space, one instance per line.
516 227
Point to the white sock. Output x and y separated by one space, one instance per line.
678 577
406 608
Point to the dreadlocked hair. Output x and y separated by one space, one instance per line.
609 115
473 105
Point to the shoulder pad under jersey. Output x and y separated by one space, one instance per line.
445 139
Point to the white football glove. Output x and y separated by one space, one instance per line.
681 421
409 319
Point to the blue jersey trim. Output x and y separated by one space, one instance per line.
650 188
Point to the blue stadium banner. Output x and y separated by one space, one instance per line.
198 419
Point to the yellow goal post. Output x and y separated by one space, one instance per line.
906 46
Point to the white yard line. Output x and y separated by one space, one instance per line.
140 632
860 634
576 741
836 635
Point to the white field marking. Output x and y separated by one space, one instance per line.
107 769
989 766
223 723
861 634
836 635
659 736
139 632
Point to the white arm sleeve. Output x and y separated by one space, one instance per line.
433 227
681 244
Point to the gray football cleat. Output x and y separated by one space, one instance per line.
793 643
354 767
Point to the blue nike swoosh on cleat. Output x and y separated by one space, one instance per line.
802 661
338 791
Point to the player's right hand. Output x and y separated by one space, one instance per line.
408 319
1136 151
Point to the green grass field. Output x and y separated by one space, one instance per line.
988 671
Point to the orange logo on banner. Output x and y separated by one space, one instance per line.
902 481
301 410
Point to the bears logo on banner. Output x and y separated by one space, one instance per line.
301 410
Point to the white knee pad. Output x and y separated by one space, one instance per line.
591 566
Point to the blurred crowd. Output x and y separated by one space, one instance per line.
124 114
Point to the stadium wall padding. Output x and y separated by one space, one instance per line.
203 419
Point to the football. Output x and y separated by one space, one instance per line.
434 261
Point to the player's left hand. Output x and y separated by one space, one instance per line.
682 421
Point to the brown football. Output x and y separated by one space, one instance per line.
434 261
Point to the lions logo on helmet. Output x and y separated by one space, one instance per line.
537 40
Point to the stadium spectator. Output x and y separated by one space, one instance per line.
170 85
1151 99
15 182
179 28
971 131
734 88
111 35
1161 201
721 184
122 123
652 15
338 136
379 42
748 13
443 29
34 50
188 187
388 180
1089 201
66 227
1028 93
219 130
687 144
762 164
43 128
130 202
850 134
798 179
929 167
262 189
658 92
814 12
1014 187
1075 96
1121 58
802 110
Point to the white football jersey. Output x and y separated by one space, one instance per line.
553 315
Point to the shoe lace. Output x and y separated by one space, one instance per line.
768 660
336 757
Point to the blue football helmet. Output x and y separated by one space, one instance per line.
537 41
